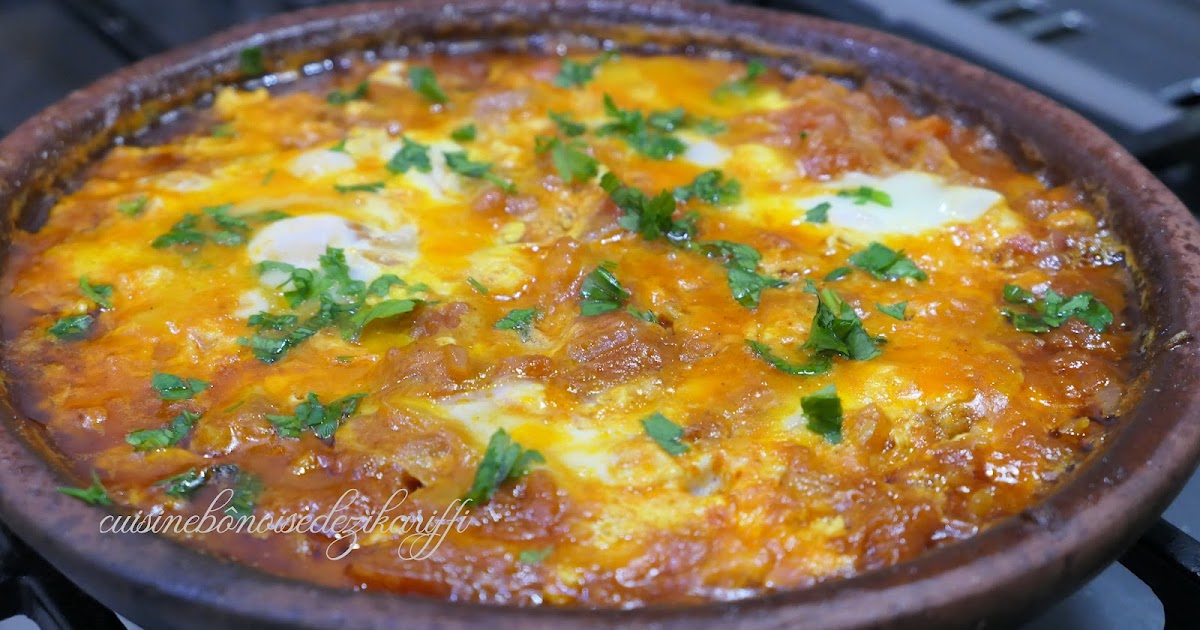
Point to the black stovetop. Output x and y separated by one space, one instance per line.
1132 67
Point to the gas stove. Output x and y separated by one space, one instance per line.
1133 68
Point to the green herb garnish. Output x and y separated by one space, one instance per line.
341 97
519 320
865 194
424 82
411 154
566 126
815 365
169 435
251 61
745 85
651 218
461 164
477 285
741 262
312 415
894 310
710 187
185 484
503 460
466 133
667 434
601 292
837 329
823 409
838 274
648 137
246 490
133 207
369 187
94 494
886 264
1053 310
534 556
380 310
101 294
72 327
574 74
570 159
818 213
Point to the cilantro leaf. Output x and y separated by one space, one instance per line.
651 218
466 133
886 264
646 315
534 556
566 126
133 207
312 415
171 387
72 327
185 484
1053 310
709 187
741 264
601 292
570 159
224 130
461 164
823 408
270 321
711 126
370 187
382 285
251 62
818 213
815 365
573 74
184 232
170 435
477 285
382 310
341 97
411 154
837 329
503 460
424 82
101 294
648 139
744 86
519 320
246 490
865 194
94 494
838 274
894 310
665 433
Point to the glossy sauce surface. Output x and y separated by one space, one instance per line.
962 419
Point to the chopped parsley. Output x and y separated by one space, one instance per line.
710 187
379 310
741 263
534 556
72 327
665 433
710 126
185 484
601 292
646 315
886 264
424 82
171 387
649 137
894 310
411 154
837 329
823 409
369 187
461 164
815 365
477 285
503 460
566 126
101 294
324 297
169 435
247 488
313 415
519 320
865 194
818 213
745 85
466 133
94 494
341 97
251 61
574 74
1053 310
651 218
224 130
229 230
570 159
133 207
838 274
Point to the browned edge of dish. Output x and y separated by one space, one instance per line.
994 578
